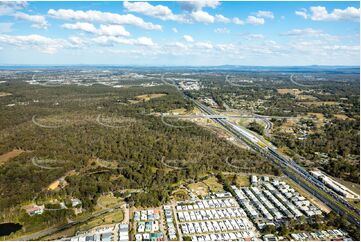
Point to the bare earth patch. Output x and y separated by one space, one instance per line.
199 188
319 118
294 92
9 155
214 184
4 94
146 97
341 116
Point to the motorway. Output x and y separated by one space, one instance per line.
292 170
295 172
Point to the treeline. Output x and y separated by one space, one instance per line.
339 139
141 149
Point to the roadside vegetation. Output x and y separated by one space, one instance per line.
131 160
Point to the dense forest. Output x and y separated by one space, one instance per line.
139 147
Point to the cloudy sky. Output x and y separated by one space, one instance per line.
199 32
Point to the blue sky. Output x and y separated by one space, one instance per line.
180 33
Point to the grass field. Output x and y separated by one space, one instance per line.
242 181
146 97
110 218
62 234
106 201
213 184
180 195
199 188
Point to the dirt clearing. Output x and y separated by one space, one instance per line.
4 94
9 155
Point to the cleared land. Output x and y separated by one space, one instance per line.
213 184
294 92
146 97
199 188
202 188
341 116
180 195
110 218
4 94
242 181
107 201
9 155
319 118
320 103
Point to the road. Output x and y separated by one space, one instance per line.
292 170
295 172
56 229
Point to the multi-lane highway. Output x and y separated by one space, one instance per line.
295 172
291 169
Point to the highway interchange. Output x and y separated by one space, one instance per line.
295 172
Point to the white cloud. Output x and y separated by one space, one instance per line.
148 9
113 30
77 42
175 30
180 45
193 11
109 30
238 21
225 47
41 43
159 11
254 36
102 17
87 27
320 13
188 38
220 18
6 27
302 13
221 31
204 45
38 21
192 6
111 40
202 16
10 7
309 33
254 20
265 14
303 32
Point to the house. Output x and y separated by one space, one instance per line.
34 209
75 202
123 232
